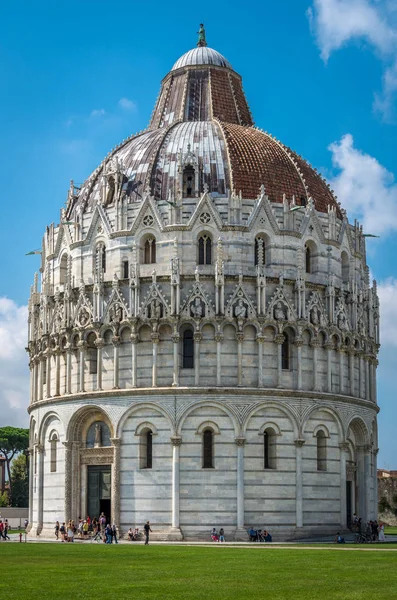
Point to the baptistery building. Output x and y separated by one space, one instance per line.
203 339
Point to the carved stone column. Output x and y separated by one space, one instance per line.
366 364
40 452
68 372
82 347
351 371
367 449
361 376
219 340
134 341
197 340
343 449
48 373
279 339
75 468
341 370
329 348
155 345
315 345
68 480
57 371
299 483
240 339
375 500
31 479
99 343
175 374
299 343
176 442
240 441
115 493
40 378
261 340
116 361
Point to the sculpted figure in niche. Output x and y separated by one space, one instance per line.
155 309
240 310
314 316
342 321
84 317
279 312
98 436
196 308
116 313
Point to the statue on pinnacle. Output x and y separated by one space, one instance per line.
201 39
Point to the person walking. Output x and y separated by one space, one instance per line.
147 531
114 533
5 532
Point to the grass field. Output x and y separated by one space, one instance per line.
60 571
390 530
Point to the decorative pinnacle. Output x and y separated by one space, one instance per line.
201 36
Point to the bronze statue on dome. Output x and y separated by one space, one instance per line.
201 39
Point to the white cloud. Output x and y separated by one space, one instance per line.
335 23
127 104
14 370
387 291
365 188
98 112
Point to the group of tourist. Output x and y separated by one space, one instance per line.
257 535
4 528
96 530
374 531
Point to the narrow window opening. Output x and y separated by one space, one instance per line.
125 269
188 349
188 182
53 452
150 251
308 260
285 354
205 247
269 448
146 454
208 451
321 451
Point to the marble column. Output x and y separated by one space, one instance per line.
299 482
134 341
261 340
31 479
343 449
240 441
57 372
341 371
75 471
367 482
375 460
279 339
155 345
40 499
351 372
68 372
99 343
197 339
219 340
82 347
40 378
116 362
329 349
176 442
361 376
48 374
175 373
115 491
314 344
68 481
240 339
299 343
366 363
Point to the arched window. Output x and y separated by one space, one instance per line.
345 267
260 251
269 448
204 250
285 353
308 259
53 453
92 355
150 251
100 258
188 182
208 449
146 449
188 350
321 451
63 269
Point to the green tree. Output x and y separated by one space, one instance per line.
13 440
3 500
20 481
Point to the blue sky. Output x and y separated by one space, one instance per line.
78 77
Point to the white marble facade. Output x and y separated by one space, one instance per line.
271 346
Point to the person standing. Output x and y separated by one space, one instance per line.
147 531
221 535
5 532
57 529
114 533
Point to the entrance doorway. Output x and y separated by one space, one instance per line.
99 491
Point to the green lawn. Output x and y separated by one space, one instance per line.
391 530
64 571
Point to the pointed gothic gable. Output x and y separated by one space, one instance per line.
99 218
63 240
240 298
205 205
341 315
345 233
311 219
57 321
83 312
147 208
155 304
263 210
116 307
315 310
279 302
197 303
